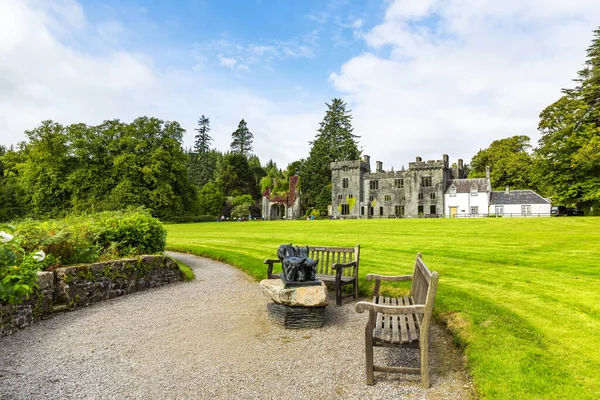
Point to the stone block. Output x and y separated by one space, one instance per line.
306 296
45 280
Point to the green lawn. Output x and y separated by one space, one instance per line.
521 295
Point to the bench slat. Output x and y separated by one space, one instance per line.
326 271
405 335
379 321
413 333
395 321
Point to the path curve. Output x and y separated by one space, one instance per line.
209 338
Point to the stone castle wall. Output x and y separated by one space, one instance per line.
394 190
81 285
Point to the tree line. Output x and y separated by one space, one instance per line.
81 168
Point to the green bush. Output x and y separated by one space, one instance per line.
89 238
131 232
66 241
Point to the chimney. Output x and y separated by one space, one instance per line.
379 166
460 164
367 160
446 160
419 159
487 172
507 190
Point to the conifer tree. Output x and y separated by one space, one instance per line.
202 170
333 142
242 139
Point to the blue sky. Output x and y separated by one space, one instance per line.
423 78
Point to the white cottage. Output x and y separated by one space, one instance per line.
519 203
467 197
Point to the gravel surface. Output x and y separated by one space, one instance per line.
210 338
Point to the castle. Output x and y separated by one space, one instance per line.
426 189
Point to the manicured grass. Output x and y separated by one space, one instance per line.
521 295
186 271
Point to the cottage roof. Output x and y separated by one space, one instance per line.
517 197
464 185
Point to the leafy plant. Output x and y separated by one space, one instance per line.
18 269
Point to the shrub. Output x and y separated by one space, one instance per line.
18 269
89 238
131 232
241 211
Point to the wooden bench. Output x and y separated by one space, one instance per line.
401 322
337 266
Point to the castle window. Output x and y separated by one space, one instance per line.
340 197
388 197
373 185
371 197
475 210
345 209
452 191
345 169
432 196
350 196
420 210
345 183
432 210
473 190
399 183
380 210
403 197
399 210
420 196
426 182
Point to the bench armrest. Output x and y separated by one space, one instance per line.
270 266
376 277
342 266
362 306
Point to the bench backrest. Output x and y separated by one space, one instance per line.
328 256
424 287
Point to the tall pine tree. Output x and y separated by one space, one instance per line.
333 142
242 139
201 169
203 139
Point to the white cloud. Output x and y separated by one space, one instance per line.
227 61
452 76
358 23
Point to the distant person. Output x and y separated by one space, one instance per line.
222 218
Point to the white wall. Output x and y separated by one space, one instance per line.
464 202
515 209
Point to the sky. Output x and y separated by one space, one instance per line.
422 78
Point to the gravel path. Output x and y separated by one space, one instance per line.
209 338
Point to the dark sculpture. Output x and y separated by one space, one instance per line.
298 269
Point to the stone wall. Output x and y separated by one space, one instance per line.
78 286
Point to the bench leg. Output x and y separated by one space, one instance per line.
356 289
425 363
369 353
338 287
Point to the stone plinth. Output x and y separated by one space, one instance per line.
297 307
305 296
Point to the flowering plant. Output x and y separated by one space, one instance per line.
18 270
